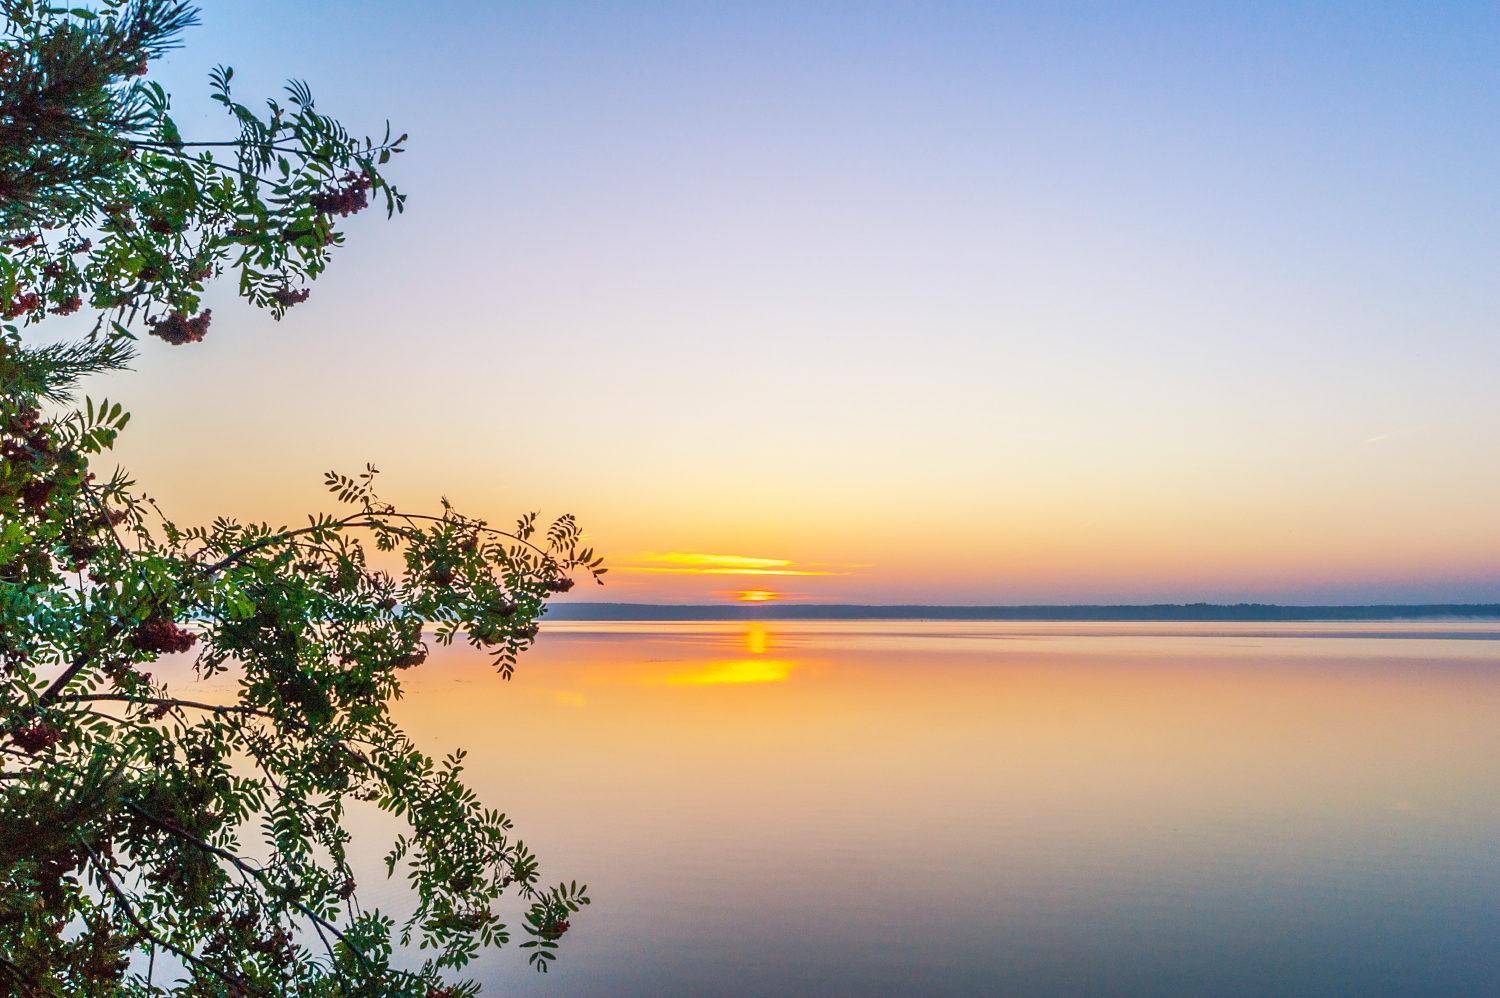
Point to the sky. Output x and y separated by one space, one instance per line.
887 302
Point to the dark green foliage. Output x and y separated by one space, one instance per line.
129 808
103 203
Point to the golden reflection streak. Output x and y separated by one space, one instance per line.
735 672
724 672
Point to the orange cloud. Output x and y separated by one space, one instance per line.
687 563
714 560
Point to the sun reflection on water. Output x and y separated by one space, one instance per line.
745 670
753 669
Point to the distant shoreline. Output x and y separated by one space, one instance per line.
1160 612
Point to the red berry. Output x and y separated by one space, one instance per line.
36 737
159 635
178 329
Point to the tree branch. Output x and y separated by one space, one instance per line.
123 900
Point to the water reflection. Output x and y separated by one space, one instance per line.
744 670
757 639
904 808
756 642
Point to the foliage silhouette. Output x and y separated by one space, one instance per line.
130 810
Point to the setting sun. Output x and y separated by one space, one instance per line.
757 596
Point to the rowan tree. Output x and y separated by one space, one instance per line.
130 807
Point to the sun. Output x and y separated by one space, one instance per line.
757 596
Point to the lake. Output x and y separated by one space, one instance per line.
996 808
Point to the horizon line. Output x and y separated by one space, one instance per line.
1198 611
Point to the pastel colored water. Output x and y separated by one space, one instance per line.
997 808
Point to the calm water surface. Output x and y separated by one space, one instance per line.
997 808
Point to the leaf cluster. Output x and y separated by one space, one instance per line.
104 203
202 821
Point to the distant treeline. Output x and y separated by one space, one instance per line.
1154 612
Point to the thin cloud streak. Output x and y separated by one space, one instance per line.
696 563
664 570
693 559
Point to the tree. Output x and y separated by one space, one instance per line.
126 806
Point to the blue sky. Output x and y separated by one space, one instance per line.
1154 300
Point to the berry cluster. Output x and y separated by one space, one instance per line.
559 585
178 329
54 868
69 306
37 493
117 218
80 553
159 635
286 297
466 919
35 468
277 946
27 425
243 933
36 737
22 304
347 199
411 659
